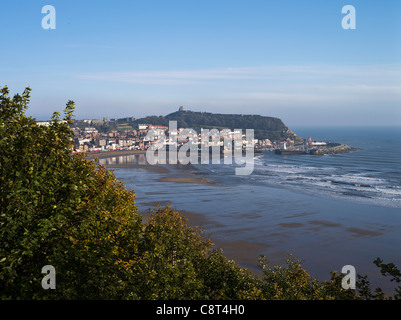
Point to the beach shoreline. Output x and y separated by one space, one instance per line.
245 253
326 234
177 177
111 154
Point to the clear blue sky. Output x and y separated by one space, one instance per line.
290 59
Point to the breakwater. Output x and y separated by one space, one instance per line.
336 149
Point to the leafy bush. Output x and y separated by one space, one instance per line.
58 209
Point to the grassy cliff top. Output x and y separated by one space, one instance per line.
265 127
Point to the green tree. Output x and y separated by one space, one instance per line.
388 269
58 209
292 282
176 261
169 252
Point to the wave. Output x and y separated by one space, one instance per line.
355 185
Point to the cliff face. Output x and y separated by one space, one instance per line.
264 127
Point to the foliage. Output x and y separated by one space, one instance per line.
264 127
389 269
169 253
57 209
294 283
63 210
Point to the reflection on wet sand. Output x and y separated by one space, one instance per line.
139 161
124 159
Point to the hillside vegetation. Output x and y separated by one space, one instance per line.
264 127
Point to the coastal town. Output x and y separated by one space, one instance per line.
92 139
99 136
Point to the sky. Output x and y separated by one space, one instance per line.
289 59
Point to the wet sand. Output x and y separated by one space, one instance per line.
156 168
243 251
186 178
110 154
169 177
124 161
247 220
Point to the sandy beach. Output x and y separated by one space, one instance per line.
110 154
244 251
124 160
155 168
186 178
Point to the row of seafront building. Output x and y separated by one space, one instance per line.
89 139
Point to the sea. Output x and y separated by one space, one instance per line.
371 175
327 211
